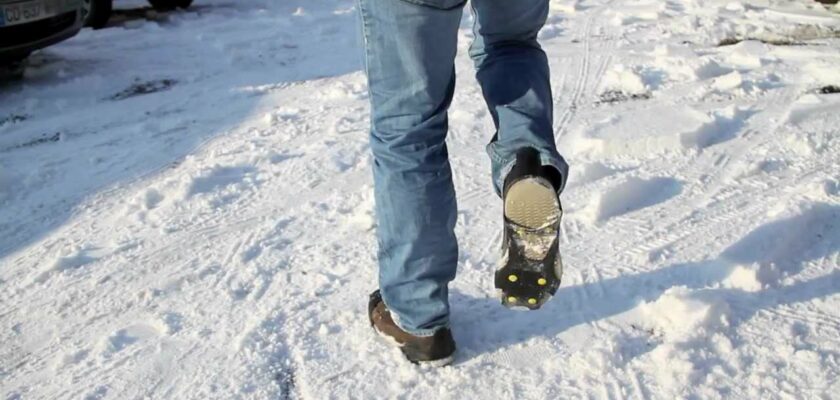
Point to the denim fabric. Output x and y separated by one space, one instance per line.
410 47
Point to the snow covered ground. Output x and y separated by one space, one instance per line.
186 211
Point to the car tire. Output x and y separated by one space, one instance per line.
98 12
167 5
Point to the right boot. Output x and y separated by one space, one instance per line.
531 267
436 350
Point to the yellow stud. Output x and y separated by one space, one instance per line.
542 281
513 278
511 299
532 301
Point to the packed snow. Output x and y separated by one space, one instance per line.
186 210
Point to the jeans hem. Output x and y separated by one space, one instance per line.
431 4
413 332
505 166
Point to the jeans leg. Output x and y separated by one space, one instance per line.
410 52
513 72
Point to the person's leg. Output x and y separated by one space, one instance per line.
513 73
528 172
410 51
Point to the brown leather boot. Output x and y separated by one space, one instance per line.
436 350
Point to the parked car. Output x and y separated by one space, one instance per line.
97 12
29 25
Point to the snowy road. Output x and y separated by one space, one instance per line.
186 211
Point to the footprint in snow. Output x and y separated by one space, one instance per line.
781 247
592 172
129 336
633 195
723 125
67 262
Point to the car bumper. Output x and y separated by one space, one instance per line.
17 41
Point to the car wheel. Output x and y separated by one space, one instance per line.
96 12
166 5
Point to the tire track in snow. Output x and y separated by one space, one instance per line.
581 79
585 81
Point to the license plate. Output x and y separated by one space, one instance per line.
28 11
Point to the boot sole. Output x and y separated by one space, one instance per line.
532 203
441 362
531 267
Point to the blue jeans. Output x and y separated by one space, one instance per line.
410 47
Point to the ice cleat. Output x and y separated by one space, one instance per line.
531 265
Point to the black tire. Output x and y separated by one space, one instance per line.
98 13
167 5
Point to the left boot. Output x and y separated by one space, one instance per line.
436 350
531 266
